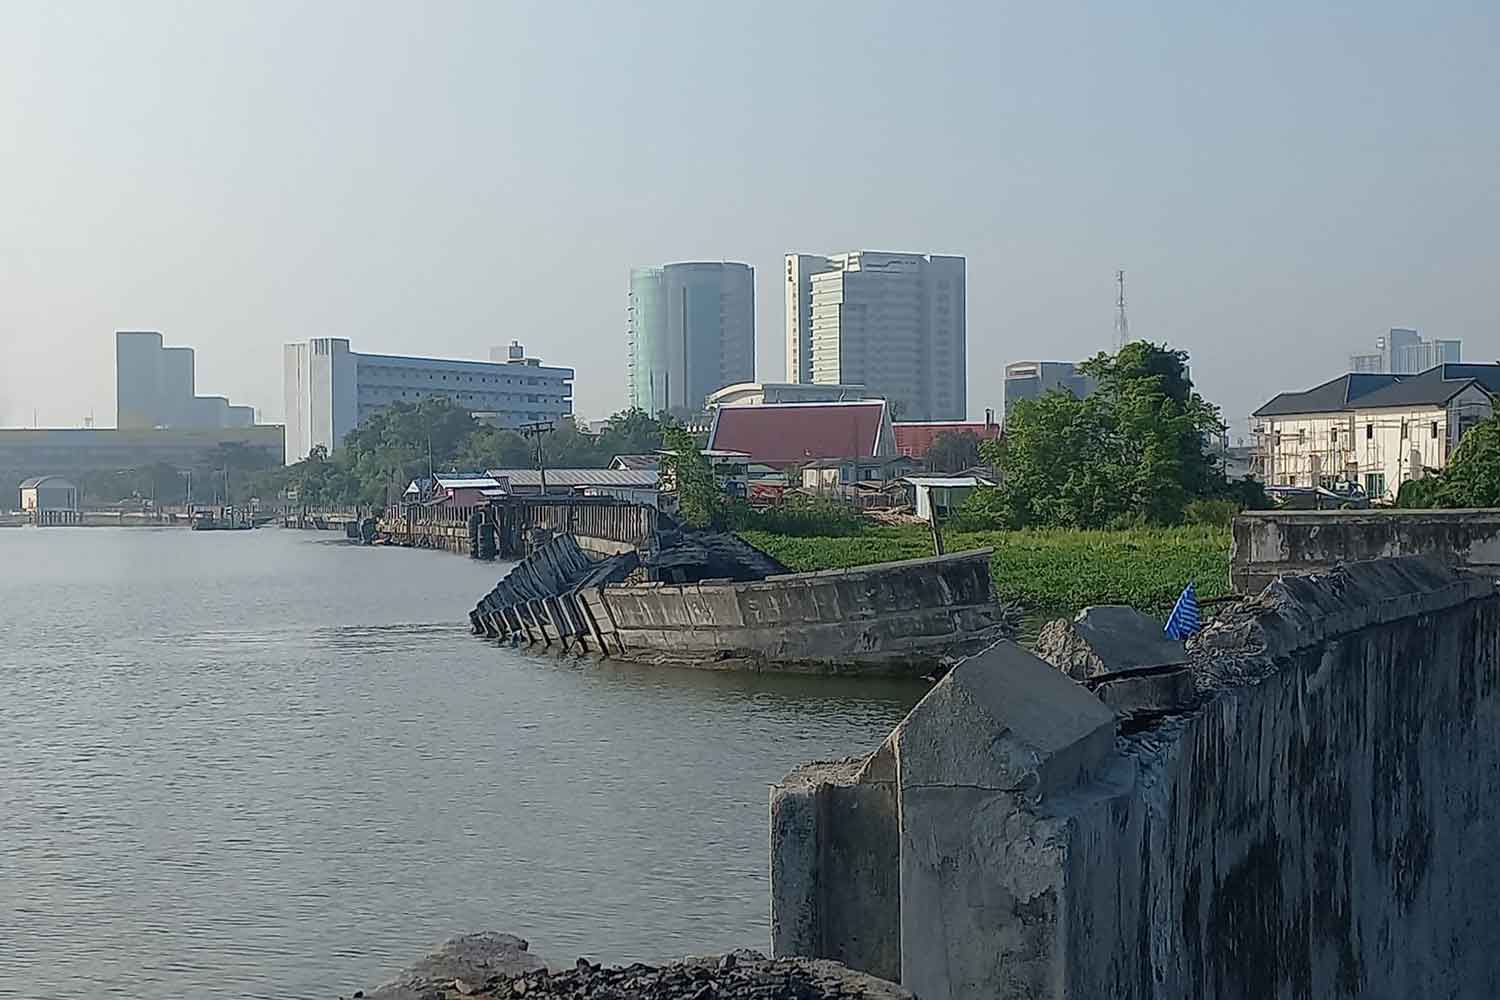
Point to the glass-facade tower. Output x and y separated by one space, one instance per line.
691 331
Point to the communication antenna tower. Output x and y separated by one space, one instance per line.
1122 325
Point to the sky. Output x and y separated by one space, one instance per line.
1280 181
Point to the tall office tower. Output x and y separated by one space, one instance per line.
892 322
690 332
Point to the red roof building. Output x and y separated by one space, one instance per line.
914 438
791 434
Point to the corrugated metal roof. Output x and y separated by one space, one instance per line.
571 478
942 482
35 481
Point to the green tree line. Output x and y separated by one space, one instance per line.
393 446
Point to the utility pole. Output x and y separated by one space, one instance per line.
1122 326
537 431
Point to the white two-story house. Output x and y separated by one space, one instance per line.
1372 429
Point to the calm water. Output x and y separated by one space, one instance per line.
268 764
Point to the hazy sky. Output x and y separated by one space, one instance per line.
1280 185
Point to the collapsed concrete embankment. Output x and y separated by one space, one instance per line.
1314 816
489 966
909 618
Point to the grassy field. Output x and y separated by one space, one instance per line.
1052 571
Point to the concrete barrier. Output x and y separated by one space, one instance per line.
898 617
1268 544
1319 823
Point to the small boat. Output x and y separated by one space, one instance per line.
227 520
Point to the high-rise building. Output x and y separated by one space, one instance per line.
690 331
330 389
892 322
1033 379
1404 352
155 387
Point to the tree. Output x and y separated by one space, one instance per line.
1134 450
631 432
952 451
700 502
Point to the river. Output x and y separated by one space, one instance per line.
271 764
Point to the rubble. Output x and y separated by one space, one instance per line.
499 967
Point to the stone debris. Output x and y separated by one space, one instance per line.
460 967
740 975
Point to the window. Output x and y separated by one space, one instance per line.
1434 430
1405 430
1302 436
1369 432
1375 484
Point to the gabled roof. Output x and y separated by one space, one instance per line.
1434 387
635 463
793 433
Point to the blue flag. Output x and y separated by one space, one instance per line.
1183 621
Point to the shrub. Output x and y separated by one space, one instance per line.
1218 513
800 516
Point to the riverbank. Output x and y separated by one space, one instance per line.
1054 571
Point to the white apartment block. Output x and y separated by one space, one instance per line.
1376 430
892 322
330 389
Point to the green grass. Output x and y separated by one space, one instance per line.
1047 571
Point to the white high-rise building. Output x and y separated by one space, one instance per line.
331 389
892 322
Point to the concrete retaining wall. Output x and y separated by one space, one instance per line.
899 617
1270 543
1319 822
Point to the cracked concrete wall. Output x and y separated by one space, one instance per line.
1321 822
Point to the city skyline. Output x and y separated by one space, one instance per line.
435 199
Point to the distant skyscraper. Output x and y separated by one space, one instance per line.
691 331
892 322
1404 352
154 387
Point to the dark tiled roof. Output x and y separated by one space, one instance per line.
1430 388
794 433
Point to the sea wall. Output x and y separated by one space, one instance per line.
895 617
1317 821
1270 543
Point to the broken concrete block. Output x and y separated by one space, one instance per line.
1106 640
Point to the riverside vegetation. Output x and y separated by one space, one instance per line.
1052 571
